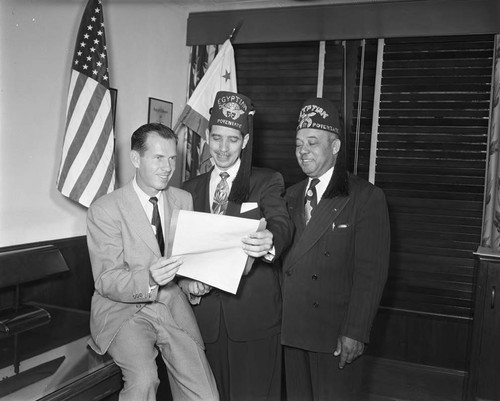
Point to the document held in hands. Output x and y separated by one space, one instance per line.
210 247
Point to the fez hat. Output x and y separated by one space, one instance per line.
320 113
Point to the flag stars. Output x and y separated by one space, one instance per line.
90 57
227 76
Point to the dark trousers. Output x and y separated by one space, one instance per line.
313 376
246 370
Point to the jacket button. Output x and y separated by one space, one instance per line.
288 273
327 253
315 304
314 277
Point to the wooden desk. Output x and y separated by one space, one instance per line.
55 363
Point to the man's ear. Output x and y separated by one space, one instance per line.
135 158
336 146
245 140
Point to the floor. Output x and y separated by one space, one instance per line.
388 380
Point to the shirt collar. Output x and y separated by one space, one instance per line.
324 180
143 196
232 171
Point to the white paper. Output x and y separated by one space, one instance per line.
210 247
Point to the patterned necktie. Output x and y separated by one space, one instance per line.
156 221
221 193
311 199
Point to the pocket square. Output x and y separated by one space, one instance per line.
247 206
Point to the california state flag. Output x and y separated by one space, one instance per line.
220 76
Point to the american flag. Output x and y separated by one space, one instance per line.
87 168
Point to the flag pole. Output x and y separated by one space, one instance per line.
235 30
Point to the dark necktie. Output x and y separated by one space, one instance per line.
156 221
311 199
219 204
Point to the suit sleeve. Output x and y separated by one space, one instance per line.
112 276
274 209
371 263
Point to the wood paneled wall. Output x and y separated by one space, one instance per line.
72 289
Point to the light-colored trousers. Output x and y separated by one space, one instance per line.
134 351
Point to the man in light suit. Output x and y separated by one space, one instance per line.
335 271
136 307
241 332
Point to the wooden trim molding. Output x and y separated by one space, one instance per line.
347 21
488 254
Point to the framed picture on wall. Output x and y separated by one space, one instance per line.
114 95
160 111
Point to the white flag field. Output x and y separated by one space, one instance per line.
220 76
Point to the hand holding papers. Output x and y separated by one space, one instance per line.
210 247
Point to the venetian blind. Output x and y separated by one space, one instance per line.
431 158
278 78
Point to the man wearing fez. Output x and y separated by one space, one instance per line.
242 331
336 268
136 307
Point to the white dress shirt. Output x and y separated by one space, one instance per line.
324 180
148 206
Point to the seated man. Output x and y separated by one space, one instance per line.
136 307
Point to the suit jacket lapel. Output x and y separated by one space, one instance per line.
202 200
138 219
170 204
323 216
298 208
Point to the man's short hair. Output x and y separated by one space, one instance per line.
140 136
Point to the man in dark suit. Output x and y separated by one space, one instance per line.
242 331
136 307
336 268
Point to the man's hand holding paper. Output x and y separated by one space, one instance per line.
259 243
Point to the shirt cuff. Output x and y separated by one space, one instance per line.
269 257
152 290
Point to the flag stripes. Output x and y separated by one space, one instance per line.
87 168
